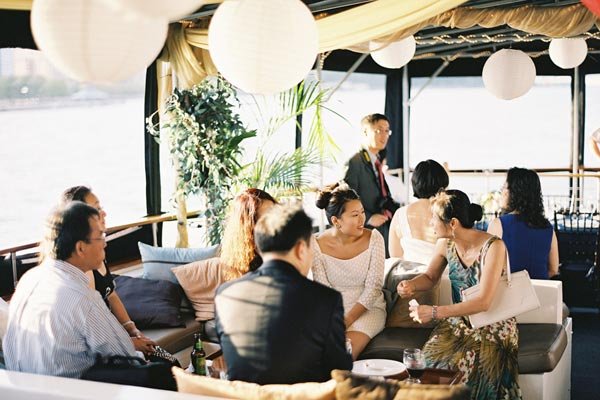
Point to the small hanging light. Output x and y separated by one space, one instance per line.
568 53
508 74
396 54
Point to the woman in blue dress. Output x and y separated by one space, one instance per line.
486 356
528 235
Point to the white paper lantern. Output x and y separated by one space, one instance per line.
508 74
568 53
170 10
396 54
91 42
263 46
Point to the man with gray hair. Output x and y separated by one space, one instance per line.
56 323
274 324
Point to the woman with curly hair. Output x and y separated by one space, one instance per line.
529 237
238 251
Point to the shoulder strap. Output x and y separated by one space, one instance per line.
486 247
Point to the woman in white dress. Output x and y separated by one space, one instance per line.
411 236
350 259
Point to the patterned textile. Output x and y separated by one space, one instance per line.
359 280
487 356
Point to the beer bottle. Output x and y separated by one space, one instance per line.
198 356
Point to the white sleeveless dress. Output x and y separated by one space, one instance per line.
415 250
358 279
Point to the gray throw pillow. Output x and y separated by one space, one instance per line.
158 261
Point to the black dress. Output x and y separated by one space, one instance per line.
104 284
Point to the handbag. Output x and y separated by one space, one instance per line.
134 371
161 355
514 295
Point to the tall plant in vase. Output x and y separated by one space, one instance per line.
204 134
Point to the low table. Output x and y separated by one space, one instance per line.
433 376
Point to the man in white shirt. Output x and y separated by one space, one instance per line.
57 324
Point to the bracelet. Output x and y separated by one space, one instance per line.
434 310
128 323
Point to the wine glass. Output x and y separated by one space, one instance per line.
415 363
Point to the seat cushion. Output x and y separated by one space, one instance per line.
391 342
540 345
176 339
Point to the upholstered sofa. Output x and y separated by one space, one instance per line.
545 341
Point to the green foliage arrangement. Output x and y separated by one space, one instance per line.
204 134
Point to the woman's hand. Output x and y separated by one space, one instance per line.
406 289
421 314
143 344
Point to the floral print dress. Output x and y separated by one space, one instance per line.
486 356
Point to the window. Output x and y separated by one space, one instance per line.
57 133
457 121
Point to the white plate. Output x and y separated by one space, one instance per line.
378 367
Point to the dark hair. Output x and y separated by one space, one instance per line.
450 204
281 228
525 197
373 118
333 199
75 193
428 178
65 227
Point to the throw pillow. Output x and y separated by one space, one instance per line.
158 261
350 386
150 303
398 312
206 386
200 281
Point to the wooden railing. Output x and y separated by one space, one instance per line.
113 232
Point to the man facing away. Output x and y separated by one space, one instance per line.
56 323
274 324
365 175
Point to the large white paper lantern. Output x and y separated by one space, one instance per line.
91 42
568 53
396 54
263 46
170 10
508 74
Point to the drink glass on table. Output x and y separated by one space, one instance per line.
415 363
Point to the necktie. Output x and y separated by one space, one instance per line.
384 192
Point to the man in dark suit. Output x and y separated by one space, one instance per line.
274 324
365 175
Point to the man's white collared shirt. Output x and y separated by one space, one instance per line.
57 323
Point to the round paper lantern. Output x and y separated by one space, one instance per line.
263 46
568 53
170 10
396 54
91 42
508 74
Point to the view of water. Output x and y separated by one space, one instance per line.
100 143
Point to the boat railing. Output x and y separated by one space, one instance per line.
113 232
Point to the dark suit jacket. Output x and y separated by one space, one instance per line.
361 177
276 326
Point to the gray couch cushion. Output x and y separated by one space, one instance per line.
391 342
176 339
540 345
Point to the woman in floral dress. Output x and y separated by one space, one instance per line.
486 356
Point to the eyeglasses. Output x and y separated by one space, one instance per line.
383 131
102 237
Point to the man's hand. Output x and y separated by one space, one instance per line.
143 344
377 220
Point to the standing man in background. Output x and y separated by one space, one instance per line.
365 175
